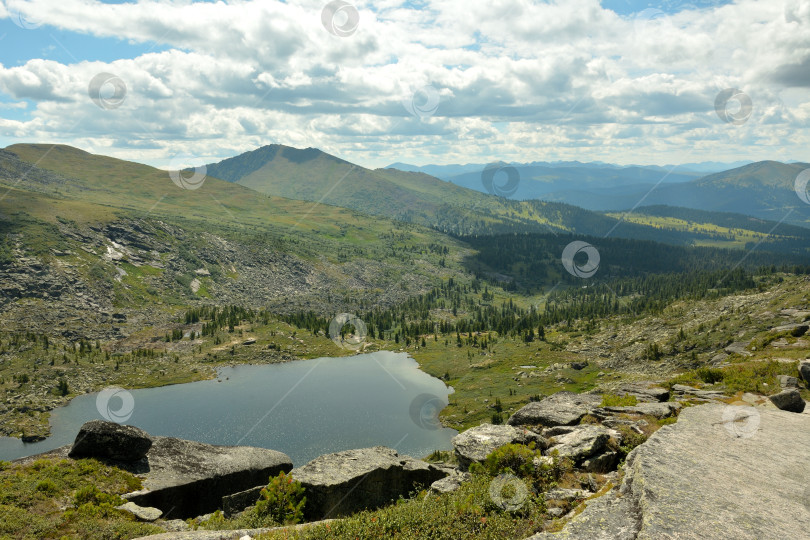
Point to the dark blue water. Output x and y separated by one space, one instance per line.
304 409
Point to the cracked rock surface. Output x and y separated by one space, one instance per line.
695 480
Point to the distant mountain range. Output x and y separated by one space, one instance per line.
308 187
447 172
764 190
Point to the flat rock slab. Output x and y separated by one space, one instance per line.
581 443
693 480
560 409
697 392
475 444
644 391
140 512
346 482
187 478
658 410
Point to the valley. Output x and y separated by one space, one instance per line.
112 275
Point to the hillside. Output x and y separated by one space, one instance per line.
764 190
417 197
539 180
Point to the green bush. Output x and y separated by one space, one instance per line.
630 438
709 375
92 495
613 400
47 487
282 501
514 458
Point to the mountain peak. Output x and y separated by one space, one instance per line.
237 167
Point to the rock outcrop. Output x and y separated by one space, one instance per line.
804 371
788 400
108 440
475 444
181 478
658 410
694 480
560 409
188 478
581 442
644 391
346 482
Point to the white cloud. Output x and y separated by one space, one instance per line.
516 80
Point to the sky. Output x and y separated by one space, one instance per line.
177 82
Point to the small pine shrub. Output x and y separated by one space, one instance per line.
282 501
709 375
47 487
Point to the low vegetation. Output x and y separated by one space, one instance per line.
67 500
747 376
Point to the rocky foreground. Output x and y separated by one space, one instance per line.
721 471
708 477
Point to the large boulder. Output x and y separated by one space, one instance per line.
695 480
804 371
187 478
581 443
644 391
560 409
346 482
475 444
108 440
788 400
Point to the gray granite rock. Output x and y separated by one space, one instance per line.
788 400
787 382
143 513
644 391
450 483
603 463
560 409
581 443
346 482
692 480
658 410
804 371
187 478
101 439
475 444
